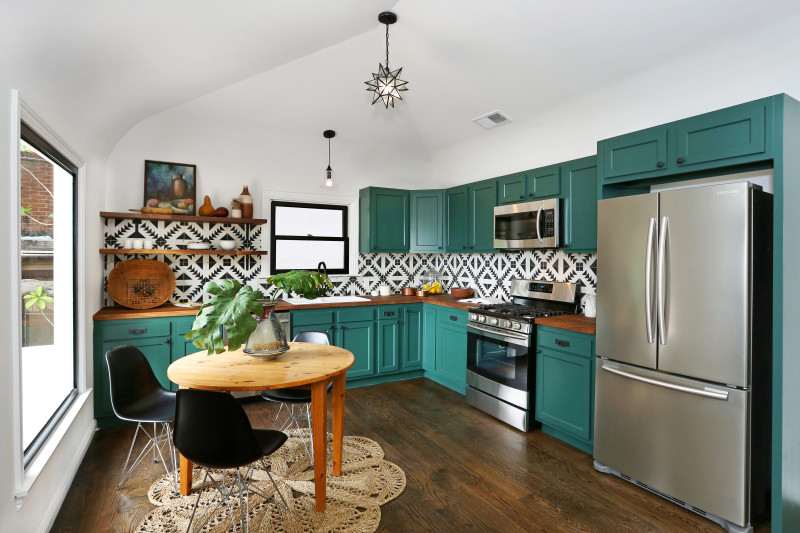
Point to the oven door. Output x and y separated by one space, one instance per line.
502 357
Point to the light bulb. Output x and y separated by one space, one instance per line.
329 182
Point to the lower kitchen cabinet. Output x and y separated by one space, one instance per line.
565 385
359 338
161 340
411 331
445 346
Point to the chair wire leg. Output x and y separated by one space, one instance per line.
130 451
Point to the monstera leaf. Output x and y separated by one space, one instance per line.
231 306
302 282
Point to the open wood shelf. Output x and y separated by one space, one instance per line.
143 251
183 218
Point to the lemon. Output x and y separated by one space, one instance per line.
426 287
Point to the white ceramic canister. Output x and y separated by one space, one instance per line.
589 304
385 290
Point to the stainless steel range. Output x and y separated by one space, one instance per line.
501 369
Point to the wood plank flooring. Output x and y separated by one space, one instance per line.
465 472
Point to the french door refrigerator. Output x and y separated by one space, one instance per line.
684 296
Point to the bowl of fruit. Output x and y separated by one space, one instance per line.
433 288
183 207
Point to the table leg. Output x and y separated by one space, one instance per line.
319 431
338 422
186 475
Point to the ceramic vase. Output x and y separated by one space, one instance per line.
268 341
246 203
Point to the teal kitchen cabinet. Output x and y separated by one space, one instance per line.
159 339
737 135
543 182
470 217
358 337
511 188
383 220
445 346
390 339
580 205
412 337
457 213
565 385
427 221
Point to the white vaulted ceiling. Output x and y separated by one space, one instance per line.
97 68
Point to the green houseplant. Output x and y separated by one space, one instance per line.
233 305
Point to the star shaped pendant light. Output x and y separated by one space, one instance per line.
386 83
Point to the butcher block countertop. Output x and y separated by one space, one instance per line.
577 323
117 312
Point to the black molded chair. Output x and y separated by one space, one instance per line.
137 396
297 401
213 431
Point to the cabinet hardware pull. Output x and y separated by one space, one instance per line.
521 196
463 247
562 343
388 313
167 341
659 164
680 160
530 195
440 247
454 318
137 331
471 247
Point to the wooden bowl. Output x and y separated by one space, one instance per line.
141 283
461 292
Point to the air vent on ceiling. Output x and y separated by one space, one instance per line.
492 120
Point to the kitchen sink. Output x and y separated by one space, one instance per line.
327 300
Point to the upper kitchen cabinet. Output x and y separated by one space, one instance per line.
470 217
543 182
737 135
383 220
427 221
511 188
580 205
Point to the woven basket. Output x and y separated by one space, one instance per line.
141 283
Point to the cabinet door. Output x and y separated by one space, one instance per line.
389 220
580 212
511 188
429 338
427 221
634 153
543 182
482 201
389 346
157 351
412 336
724 134
564 392
359 338
451 354
457 219
330 328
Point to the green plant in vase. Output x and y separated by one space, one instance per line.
233 306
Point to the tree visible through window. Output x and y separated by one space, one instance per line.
303 235
47 244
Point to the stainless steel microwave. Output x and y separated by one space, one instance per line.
527 225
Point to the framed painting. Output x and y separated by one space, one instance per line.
171 185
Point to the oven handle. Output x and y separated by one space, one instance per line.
521 340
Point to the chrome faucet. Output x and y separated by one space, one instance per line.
322 268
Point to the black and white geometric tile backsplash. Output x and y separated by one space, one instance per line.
489 274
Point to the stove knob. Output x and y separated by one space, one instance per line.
492 321
506 323
517 325
473 316
481 319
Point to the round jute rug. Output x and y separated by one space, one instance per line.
353 499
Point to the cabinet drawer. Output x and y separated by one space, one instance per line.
136 329
453 317
356 314
564 341
312 316
389 312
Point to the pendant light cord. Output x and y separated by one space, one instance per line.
329 151
387 47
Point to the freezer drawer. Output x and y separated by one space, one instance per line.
685 438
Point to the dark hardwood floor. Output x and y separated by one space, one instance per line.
465 472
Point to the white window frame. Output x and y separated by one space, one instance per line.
352 222
24 478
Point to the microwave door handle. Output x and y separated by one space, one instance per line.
539 216
660 282
648 278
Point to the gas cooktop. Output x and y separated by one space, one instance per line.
511 310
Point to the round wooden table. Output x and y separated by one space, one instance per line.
305 365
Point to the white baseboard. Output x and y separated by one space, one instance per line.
58 499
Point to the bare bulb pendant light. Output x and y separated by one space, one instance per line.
329 134
386 84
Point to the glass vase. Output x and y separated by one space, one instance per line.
268 341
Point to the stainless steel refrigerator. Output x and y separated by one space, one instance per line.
684 298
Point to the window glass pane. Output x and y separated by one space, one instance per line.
47 288
301 221
290 255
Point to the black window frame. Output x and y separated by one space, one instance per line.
30 136
273 238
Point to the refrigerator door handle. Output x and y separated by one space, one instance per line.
707 392
648 275
660 294
538 216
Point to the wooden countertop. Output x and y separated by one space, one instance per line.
578 323
117 312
